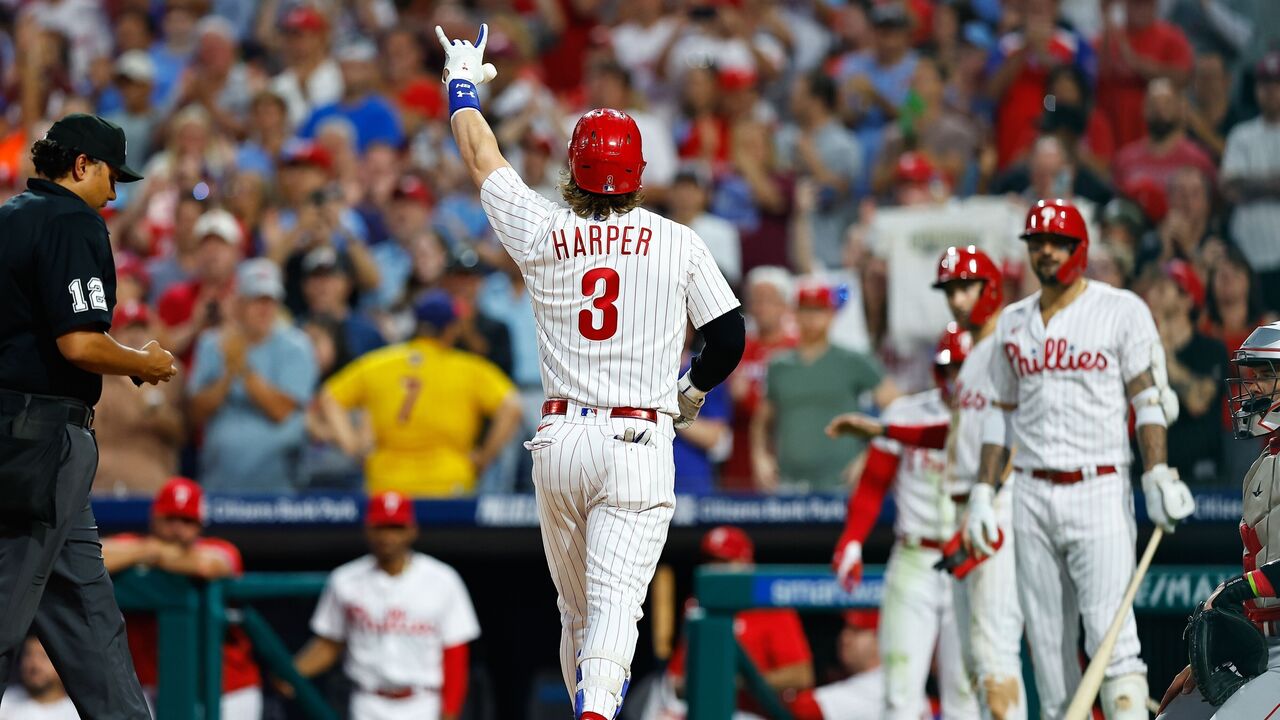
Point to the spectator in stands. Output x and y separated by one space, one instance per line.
690 197
402 620
1020 69
927 126
817 146
1136 47
174 47
327 287
140 429
1072 109
189 308
698 449
417 94
175 545
173 259
311 78
1190 224
639 39
417 449
701 130
215 79
1210 114
1166 148
408 218
773 638
132 280
1049 171
768 294
1197 364
716 33
609 85
373 115
803 387
873 84
135 74
266 132
754 194
474 331
39 695
1251 181
250 380
859 694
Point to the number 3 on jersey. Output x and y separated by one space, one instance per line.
603 302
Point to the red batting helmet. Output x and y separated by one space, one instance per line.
1059 217
953 348
181 498
604 153
727 543
970 263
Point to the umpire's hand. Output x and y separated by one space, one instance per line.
158 365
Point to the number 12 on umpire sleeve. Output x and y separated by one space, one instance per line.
97 295
603 302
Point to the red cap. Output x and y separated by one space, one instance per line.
130 313
862 619
1188 280
727 543
1148 195
733 79
129 266
412 188
822 297
424 98
390 509
182 498
305 19
308 153
914 168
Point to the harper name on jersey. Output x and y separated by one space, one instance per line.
600 240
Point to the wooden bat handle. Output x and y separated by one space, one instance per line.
1082 704
664 611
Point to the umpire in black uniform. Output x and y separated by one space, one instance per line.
57 291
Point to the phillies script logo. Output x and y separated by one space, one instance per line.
1057 357
967 399
395 622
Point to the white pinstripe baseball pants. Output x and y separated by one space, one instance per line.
604 506
1075 556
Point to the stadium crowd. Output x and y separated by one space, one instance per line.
307 243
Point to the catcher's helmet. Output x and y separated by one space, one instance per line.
605 156
970 263
727 543
1059 217
953 348
1252 391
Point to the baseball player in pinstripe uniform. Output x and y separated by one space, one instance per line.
612 287
989 615
1069 359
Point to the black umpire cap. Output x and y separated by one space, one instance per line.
98 138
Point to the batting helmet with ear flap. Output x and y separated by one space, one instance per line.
1060 218
953 348
605 154
970 263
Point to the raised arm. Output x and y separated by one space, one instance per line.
464 69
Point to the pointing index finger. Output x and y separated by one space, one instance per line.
444 39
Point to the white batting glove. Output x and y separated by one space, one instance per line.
1160 374
848 564
981 530
1168 498
464 61
690 400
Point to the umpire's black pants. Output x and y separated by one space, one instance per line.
53 578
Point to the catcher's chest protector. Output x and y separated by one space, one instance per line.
1260 527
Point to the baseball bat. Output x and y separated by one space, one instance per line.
1082 704
664 611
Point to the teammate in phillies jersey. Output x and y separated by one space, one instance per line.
989 614
612 286
1068 361
1255 412
917 610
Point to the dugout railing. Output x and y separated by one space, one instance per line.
192 619
715 658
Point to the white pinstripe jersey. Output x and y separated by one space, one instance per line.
610 297
924 506
1068 380
972 397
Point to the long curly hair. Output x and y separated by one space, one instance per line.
590 205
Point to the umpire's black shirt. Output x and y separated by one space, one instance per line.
56 275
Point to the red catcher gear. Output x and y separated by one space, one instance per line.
1059 217
727 543
953 348
181 498
970 263
604 153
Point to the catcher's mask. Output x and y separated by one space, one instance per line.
1253 390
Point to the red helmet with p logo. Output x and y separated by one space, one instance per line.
953 348
1059 217
970 263
605 155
